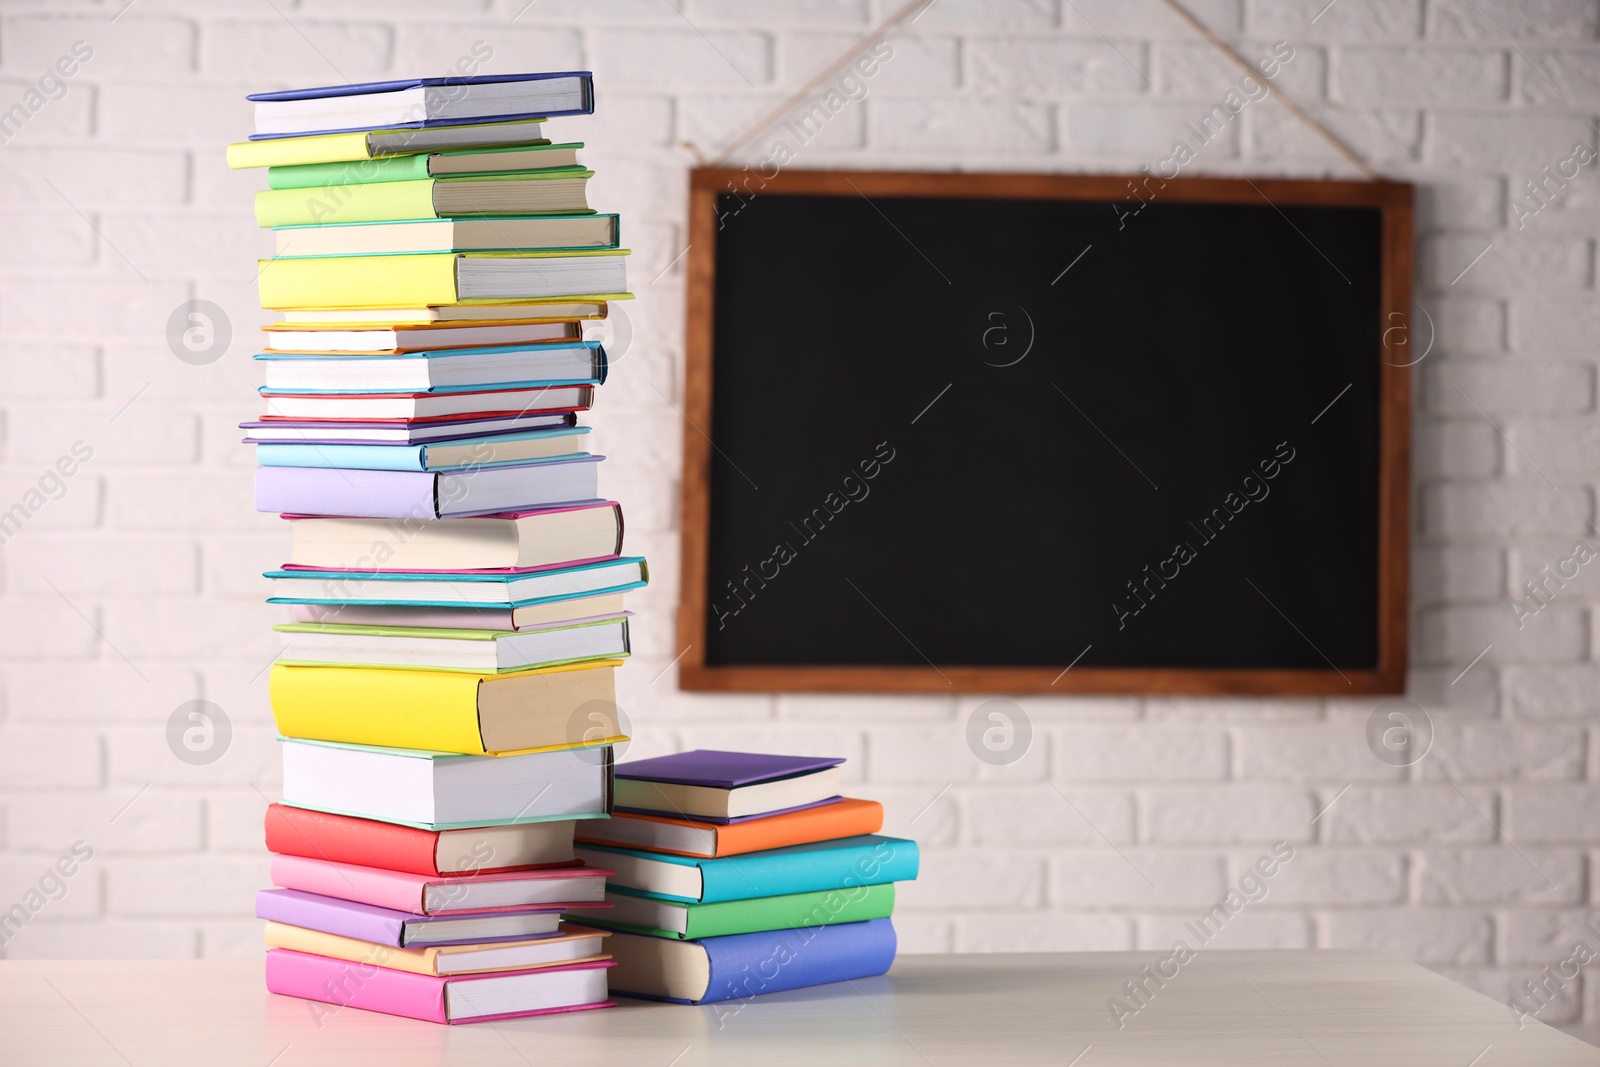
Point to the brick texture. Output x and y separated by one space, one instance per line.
133 590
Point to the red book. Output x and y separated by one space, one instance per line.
369 843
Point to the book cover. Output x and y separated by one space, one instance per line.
745 965
568 946
422 894
847 818
358 145
869 859
415 996
791 911
399 168
421 279
717 769
295 831
367 922
433 710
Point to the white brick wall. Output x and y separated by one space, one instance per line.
133 592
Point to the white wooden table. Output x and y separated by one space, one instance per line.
1229 1009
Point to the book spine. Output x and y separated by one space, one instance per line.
357 281
847 818
875 861
346 984
353 172
353 493
356 457
435 710
317 205
381 888
791 912
318 835
746 965
330 916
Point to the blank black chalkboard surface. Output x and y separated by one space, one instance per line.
1045 433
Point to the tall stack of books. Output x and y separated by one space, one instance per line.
445 692
737 874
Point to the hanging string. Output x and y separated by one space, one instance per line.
878 33
907 11
1283 98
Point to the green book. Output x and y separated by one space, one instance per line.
558 190
791 911
426 165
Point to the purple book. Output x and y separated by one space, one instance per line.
722 770
426 494
400 929
722 821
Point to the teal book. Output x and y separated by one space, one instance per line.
845 863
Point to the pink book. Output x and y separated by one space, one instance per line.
421 894
456 999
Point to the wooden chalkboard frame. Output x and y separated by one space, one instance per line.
1392 199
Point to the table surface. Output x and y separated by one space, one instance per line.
1230 1009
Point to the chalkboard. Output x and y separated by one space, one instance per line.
1045 433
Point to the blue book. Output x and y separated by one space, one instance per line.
871 859
443 370
740 966
471 453
458 589
416 103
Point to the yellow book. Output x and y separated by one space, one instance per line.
439 278
367 144
575 944
448 711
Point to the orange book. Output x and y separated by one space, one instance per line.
685 837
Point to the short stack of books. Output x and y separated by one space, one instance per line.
737 874
445 691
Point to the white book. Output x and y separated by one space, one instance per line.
439 791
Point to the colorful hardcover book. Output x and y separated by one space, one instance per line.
498 402
487 450
361 145
570 946
792 911
336 339
421 102
423 165
473 651
555 611
542 365
442 278
709 783
739 966
428 494
846 818
399 431
445 711
458 999
446 791
549 309
573 944
487 589
543 192
454 894
842 864
470 234
402 929
514 540
369 843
